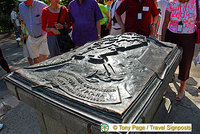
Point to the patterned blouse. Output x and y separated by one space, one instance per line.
185 12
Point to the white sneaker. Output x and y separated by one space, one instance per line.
1 126
18 39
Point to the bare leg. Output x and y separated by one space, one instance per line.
42 57
182 87
181 91
31 61
36 60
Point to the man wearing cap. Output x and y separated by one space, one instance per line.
30 12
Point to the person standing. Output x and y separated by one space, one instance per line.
24 38
15 21
162 5
86 16
179 28
138 16
115 27
30 12
50 25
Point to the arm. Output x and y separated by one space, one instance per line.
44 20
158 25
98 29
108 26
165 24
119 21
68 20
107 14
98 16
154 13
118 12
153 24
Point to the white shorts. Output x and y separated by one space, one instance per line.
25 51
37 46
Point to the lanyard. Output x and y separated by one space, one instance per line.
184 10
140 4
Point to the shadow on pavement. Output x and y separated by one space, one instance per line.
184 111
20 120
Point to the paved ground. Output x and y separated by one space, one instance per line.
19 118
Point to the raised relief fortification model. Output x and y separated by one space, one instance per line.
112 79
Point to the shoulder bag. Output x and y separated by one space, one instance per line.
64 40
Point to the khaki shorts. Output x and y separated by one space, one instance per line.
25 51
37 46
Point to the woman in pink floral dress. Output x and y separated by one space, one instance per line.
179 28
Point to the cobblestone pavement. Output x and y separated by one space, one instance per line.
19 118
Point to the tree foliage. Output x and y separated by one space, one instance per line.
5 10
62 2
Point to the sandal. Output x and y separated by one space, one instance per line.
180 96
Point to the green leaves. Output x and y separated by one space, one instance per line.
62 2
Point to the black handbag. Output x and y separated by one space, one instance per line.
64 41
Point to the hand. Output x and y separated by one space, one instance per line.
59 26
99 37
108 26
122 30
55 31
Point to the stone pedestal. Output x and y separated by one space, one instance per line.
118 79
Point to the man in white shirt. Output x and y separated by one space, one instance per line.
15 21
31 12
